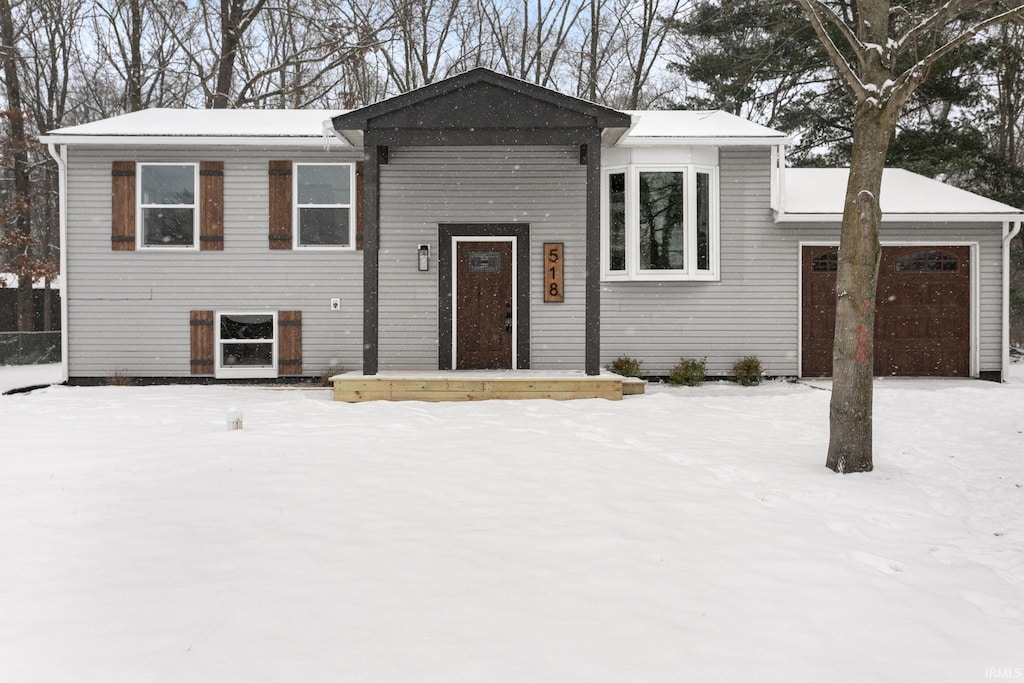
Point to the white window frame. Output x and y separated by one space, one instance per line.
296 206
633 271
250 372
140 213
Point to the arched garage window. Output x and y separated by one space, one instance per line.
826 263
926 260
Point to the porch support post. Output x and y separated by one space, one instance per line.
593 285
371 242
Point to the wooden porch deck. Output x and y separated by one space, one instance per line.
479 385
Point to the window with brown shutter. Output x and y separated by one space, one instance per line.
280 197
211 207
201 333
122 209
289 343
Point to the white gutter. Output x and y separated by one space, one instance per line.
62 212
199 140
1010 230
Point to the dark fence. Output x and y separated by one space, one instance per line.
9 308
28 348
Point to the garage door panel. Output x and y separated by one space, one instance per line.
922 320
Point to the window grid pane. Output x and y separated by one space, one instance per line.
319 226
662 210
703 221
617 221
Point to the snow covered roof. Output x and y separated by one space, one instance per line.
297 126
204 126
819 194
655 127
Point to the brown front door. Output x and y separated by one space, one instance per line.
483 306
923 314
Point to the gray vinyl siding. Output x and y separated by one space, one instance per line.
128 311
422 187
755 307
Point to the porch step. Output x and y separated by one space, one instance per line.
355 387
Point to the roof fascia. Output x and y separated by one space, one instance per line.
195 140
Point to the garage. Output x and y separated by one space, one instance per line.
923 316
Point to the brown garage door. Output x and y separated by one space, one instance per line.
922 323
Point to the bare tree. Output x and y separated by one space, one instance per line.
882 54
17 237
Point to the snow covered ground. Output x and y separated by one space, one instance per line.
685 535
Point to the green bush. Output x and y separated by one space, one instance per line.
747 371
625 366
690 372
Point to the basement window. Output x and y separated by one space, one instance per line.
246 345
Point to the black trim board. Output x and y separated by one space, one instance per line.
592 348
445 233
371 257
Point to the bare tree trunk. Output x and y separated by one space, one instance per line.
850 414
19 209
134 84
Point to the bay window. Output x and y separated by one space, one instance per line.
660 223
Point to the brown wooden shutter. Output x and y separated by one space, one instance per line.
201 333
280 204
122 208
359 205
289 343
211 206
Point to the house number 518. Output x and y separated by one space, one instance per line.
553 272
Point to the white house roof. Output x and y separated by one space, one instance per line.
260 126
654 127
168 126
812 193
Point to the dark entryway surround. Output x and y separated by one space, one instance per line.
521 231
479 107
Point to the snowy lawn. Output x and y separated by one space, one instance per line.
685 535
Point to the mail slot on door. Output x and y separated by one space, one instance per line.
485 261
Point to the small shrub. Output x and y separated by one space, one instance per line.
748 371
119 379
325 377
625 366
690 372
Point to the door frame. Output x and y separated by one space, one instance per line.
975 296
449 235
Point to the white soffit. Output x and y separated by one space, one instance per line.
678 127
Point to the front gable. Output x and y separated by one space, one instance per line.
480 100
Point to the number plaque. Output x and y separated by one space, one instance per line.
553 273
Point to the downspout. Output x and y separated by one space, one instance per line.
62 211
1010 230
777 193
